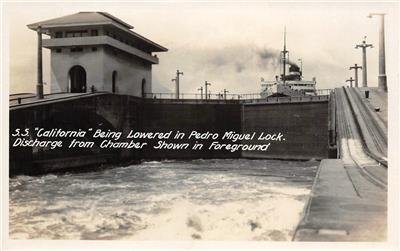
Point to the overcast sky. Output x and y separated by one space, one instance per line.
230 45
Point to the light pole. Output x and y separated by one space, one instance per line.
201 92
351 81
205 85
225 92
174 80
382 82
355 68
177 83
364 47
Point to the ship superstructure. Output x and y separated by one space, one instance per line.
288 84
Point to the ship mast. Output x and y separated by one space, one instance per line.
284 52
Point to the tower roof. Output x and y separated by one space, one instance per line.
93 18
80 18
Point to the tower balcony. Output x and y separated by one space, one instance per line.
98 40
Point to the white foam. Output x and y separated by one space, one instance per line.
178 206
268 219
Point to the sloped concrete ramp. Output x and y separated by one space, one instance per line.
338 211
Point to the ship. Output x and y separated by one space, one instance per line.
289 84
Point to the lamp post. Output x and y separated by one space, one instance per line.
355 68
177 83
225 92
351 81
382 82
364 47
201 92
205 85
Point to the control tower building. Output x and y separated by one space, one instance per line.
95 50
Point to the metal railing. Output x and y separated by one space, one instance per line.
322 94
286 99
213 96
221 96
324 91
21 101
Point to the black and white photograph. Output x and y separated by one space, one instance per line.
199 123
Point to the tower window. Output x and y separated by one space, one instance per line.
58 50
94 33
94 48
58 34
76 49
78 33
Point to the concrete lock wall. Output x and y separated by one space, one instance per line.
105 112
214 118
304 125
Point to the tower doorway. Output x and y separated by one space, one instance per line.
77 79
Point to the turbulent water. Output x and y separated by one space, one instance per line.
169 200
